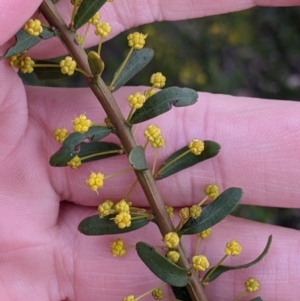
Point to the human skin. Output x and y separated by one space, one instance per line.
43 256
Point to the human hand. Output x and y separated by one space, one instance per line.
44 257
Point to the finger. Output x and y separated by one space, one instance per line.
98 273
13 16
130 13
259 147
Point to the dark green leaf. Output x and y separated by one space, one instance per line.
224 268
83 145
94 225
137 158
181 293
163 101
54 1
162 267
86 11
25 41
137 61
214 212
211 149
257 299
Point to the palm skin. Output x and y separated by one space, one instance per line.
44 257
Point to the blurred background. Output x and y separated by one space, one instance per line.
252 53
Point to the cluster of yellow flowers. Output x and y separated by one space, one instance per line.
95 181
157 293
212 191
200 262
67 66
81 124
33 27
60 134
102 29
158 80
75 162
26 65
173 256
153 135
196 146
136 40
233 248
205 233
136 100
117 248
105 208
171 240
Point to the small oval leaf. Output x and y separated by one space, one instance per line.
136 62
224 268
137 158
181 293
25 41
214 212
163 101
86 11
94 225
211 149
257 299
78 144
162 267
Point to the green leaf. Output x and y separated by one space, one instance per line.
163 101
181 293
83 145
25 41
214 212
257 299
94 225
211 149
86 11
224 268
137 158
162 267
136 62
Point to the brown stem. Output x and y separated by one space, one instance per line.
123 131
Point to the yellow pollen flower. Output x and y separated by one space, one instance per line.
171 240
117 248
26 65
81 124
251 285
123 220
233 248
33 27
158 142
150 92
173 256
95 19
74 162
121 206
79 39
200 263
136 100
95 181
170 211
212 191
67 66
157 293
129 298
15 60
136 40
102 29
157 80
60 134
205 233
195 211
152 132
196 146
184 213
105 208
